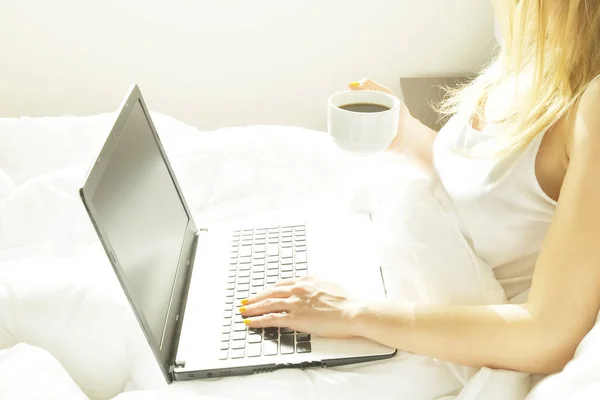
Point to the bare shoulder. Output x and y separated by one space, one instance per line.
585 131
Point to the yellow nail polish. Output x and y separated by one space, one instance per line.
245 301
354 84
247 321
242 309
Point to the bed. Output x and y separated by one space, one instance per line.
66 330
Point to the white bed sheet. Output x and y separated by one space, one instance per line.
58 292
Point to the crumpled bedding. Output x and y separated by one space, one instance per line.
67 331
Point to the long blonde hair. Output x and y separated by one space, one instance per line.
557 40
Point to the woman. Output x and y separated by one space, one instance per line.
519 155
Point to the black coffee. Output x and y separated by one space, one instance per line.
365 107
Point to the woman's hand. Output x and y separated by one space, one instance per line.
405 117
305 305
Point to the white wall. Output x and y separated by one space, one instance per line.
217 63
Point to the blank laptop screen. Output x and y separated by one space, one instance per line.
143 218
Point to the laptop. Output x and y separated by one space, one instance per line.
185 281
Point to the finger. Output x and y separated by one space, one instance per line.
357 85
267 321
267 306
274 292
286 282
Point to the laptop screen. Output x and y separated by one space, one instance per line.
143 217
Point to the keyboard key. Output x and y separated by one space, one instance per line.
225 338
231 279
229 293
226 322
273 250
233 266
238 327
286 245
285 330
223 355
300 274
287 234
258 282
287 229
243 286
286 275
272 272
254 339
286 240
259 256
238 353
271 333
258 268
225 329
224 345
300 248
232 273
287 344
228 300
255 331
300 267
302 337
242 294
260 248
286 268
244 267
246 242
259 275
246 251
245 260
300 243
227 314
228 307
273 240
259 263
238 335
230 286
273 265
238 344
262 240
271 279
300 228
286 253
244 280
286 261
303 347
300 257
273 259
270 347
238 318
238 304
244 274
253 350
254 291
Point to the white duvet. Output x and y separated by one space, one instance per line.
66 330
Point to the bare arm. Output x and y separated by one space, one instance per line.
541 335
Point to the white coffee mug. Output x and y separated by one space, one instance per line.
363 132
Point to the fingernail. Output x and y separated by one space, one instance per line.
245 301
242 309
247 321
354 84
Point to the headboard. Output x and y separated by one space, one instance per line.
420 93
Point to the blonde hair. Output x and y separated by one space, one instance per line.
559 42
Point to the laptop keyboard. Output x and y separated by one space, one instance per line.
259 258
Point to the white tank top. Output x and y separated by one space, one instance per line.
498 203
